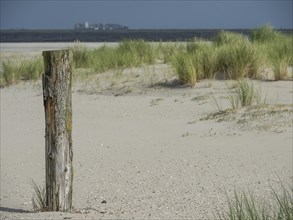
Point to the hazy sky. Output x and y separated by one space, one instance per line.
63 14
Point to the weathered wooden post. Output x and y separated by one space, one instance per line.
58 118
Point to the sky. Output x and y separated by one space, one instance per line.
158 14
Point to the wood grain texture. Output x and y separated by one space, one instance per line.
57 81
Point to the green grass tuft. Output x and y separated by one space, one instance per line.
244 94
129 53
25 70
281 56
226 37
239 60
81 55
246 206
265 34
184 67
205 58
167 51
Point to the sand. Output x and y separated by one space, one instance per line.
147 148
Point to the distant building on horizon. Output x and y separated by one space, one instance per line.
99 27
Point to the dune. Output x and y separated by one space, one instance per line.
148 148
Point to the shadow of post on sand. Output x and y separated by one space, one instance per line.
6 209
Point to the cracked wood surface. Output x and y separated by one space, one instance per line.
58 119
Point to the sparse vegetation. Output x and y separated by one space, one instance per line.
229 56
25 70
81 56
129 53
39 198
244 94
249 207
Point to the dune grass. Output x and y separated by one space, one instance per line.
198 61
226 37
265 34
244 94
281 57
235 56
25 70
39 197
239 61
276 48
229 56
81 55
166 51
205 58
129 53
246 206
185 68
234 60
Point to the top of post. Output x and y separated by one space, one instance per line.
57 54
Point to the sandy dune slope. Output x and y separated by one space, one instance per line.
150 148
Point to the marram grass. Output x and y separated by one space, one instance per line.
229 56
39 197
266 34
226 37
129 53
184 67
244 94
239 60
25 70
235 56
247 206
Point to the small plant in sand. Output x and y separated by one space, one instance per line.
247 206
244 94
39 198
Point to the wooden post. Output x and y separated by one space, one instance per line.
58 119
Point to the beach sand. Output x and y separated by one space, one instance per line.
146 147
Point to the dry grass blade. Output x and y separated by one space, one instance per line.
39 197
284 203
247 206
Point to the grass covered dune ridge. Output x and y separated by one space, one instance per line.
228 56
